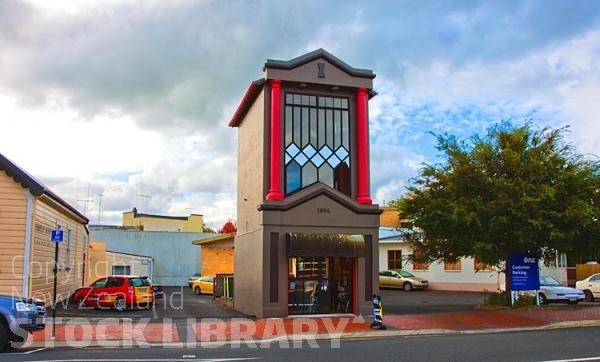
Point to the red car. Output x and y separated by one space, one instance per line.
116 291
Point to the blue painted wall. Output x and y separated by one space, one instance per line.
175 258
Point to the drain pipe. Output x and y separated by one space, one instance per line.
27 251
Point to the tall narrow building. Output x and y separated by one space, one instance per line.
307 239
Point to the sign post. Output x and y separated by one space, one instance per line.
524 273
56 237
377 313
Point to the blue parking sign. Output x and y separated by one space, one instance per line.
56 236
524 272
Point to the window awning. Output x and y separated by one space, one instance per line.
302 244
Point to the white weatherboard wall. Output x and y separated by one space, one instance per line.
467 279
439 279
138 265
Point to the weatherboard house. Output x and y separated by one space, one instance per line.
29 212
307 238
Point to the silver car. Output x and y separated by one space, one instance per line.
552 291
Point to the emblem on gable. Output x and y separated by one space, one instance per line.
321 67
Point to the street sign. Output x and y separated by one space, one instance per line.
56 236
524 272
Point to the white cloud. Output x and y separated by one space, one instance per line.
133 97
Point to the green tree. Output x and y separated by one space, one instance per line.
515 190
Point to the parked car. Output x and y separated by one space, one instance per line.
157 290
590 287
552 291
401 279
116 291
203 285
19 317
192 278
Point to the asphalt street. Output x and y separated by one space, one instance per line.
574 344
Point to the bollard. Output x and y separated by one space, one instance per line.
377 313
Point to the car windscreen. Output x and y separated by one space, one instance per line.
139 282
549 281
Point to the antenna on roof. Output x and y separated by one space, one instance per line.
86 201
144 199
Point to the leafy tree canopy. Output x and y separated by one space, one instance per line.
517 189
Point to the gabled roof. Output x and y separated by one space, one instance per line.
318 54
35 187
249 97
217 238
257 86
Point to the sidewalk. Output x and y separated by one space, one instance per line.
82 333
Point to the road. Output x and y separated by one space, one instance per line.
549 345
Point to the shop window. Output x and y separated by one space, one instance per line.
317 142
452 266
479 265
394 259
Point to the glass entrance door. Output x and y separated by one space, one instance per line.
319 285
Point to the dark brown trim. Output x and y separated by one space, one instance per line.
302 244
314 191
274 268
368 267
317 54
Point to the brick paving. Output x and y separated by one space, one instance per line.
212 329
84 332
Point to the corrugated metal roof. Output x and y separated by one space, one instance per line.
387 234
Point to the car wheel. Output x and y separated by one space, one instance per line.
543 299
197 291
4 332
120 305
589 296
407 286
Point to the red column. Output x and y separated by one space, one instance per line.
362 147
275 173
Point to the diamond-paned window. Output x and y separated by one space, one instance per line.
315 126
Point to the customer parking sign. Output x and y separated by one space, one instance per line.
524 272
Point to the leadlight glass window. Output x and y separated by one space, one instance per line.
317 142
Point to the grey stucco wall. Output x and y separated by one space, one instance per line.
174 256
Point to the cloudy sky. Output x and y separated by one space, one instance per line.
115 104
